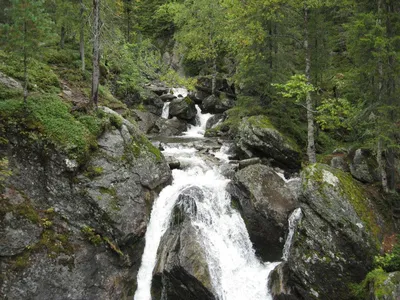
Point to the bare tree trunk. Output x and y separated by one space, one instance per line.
96 52
128 24
214 77
82 37
25 66
62 37
382 167
309 103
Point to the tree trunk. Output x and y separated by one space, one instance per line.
128 24
214 77
82 37
96 53
309 103
25 66
382 166
62 37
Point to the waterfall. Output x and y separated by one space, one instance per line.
180 92
165 110
235 271
200 128
294 219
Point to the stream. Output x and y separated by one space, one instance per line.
236 273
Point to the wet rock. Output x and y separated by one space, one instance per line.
364 167
181 271
173 163
198 96
183 108
335 241
214 120
204 84
248 162
170 127
258 137
167 97
217 104
266 202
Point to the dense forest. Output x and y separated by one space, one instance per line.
326 73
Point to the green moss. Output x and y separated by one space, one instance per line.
188 101
141 146
7 93
47 117
91 235
116 121
94 171
351 190
41 76
55 243
379 280
261 122
22 261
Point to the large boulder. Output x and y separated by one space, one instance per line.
335 241
152 102
265 201
145 120
183 108
258 137
364 167
217 104
383 286
181 272
170 127
73 230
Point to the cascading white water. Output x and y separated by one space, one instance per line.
200 128
294 219
235 271
165 110
180 92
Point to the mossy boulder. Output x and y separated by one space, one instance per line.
379 285
258 137
336 239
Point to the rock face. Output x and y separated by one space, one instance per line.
364 167
335 241
257 137
181 272
217 104
214 120
183 108
265 202
85 223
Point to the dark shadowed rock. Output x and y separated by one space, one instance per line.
183 108
167 97
265 202
340 162
258 137
152 102
217 104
